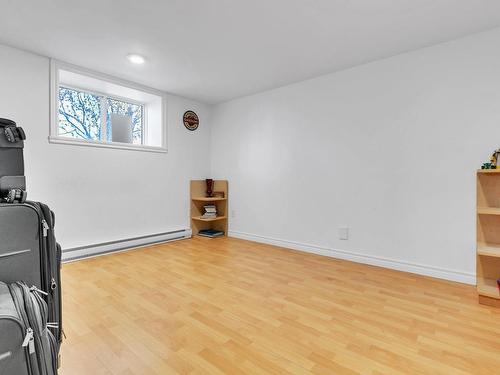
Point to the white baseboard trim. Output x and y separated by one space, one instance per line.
420 269
77 253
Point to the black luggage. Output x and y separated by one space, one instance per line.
28 248
12 180
27 345
29 252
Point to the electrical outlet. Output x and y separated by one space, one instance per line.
343 233
233 213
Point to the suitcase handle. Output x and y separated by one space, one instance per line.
14 134
6 122
16 196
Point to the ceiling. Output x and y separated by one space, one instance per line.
216 50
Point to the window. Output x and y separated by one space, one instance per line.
91 116
96 110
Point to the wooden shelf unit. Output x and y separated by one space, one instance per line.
488 236
199 199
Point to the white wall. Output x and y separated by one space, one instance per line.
102 194
388 149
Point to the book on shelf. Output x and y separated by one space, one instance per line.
210 211
211 233
208 216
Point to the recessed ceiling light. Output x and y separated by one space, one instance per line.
136 59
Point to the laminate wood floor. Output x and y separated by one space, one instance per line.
228 306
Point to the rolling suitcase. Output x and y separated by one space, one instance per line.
30 253
27 345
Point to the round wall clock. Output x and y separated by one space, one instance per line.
191 120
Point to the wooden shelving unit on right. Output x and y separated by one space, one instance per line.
488 236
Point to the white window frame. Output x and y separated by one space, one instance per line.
54 136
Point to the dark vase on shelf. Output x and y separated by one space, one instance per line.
210 187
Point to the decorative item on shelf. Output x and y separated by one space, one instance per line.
219 194
493 163
494 158
498 284
191 120
210 187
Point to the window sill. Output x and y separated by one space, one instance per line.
116 145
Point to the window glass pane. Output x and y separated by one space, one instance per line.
79 114
130 110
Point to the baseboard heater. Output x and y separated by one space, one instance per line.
81 252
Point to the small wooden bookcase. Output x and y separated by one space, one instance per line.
199 199
488 236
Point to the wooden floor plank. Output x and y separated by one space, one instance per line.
229 306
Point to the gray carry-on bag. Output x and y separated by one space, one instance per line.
27 345
12 180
